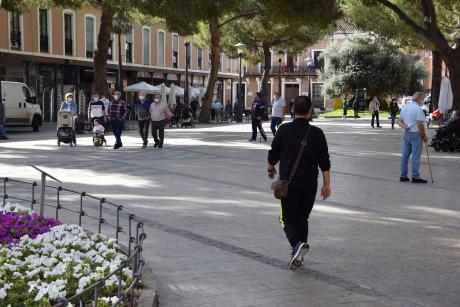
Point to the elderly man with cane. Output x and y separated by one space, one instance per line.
412 120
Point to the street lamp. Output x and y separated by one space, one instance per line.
240 48
280 54
187 64
309 61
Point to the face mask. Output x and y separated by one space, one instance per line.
96 98
141 97
69 99
156 100
116 97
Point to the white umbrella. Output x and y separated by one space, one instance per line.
141 87
179 91
195 91
446 97
163 92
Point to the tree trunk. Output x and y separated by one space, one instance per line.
436 77
100 59
266 75
214 30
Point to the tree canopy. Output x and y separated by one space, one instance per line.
380 67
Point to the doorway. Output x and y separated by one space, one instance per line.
291 92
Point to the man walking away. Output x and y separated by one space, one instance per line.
296 208
2 121
117 113
411 120
278 112
374 108
393 111
194 106
218 107
257 111
142 107
356 107
96 110
157 112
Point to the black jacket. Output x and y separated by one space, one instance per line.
286 145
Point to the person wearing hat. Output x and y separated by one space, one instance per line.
69 104
142 107
117 112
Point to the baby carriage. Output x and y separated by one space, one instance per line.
99 139
445 141
66 129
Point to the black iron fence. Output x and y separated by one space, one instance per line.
110 218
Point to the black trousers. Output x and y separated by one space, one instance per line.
144 125
257 124
158 131
296 208
375 115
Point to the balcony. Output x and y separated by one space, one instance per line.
287 71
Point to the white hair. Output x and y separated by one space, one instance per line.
417 95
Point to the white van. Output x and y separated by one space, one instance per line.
21 106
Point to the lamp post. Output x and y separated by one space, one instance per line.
309 61
280 54
187 64
240 48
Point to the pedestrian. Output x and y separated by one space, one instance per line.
257 111
158 111
142 107
278 111
228 110
411 120
302 188
117 113
69 104
345 107
218 107
393 111
356 107
194 104
213 112
291 108
374 108
2 121
96 110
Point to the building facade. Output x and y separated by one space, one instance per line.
52 51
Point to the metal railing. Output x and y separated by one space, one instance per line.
106 213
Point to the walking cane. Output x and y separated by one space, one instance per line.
429 162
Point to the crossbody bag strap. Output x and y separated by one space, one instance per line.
299 155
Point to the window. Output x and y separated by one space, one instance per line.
189 53
129 46
44 33
146 46
229 65
160 48
111 50
90 35
317 97
175 52
68 33
317 62
27 94
15 31
200 59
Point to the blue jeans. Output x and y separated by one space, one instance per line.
393 119
413 144
117 128
276 121
2 130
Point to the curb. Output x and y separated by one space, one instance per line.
148 296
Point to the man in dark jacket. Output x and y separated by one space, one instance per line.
142 107
296 208
257 112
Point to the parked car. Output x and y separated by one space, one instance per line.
403 101
426 106
21 106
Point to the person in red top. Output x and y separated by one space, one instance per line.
117 113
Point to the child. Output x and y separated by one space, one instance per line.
98 134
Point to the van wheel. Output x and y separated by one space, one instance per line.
36 123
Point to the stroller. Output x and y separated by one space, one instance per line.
66 129
445 141
187 119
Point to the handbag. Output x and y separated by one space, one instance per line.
281 187
168 114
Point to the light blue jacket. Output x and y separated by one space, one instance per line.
69 106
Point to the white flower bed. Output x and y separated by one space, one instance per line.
58 264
